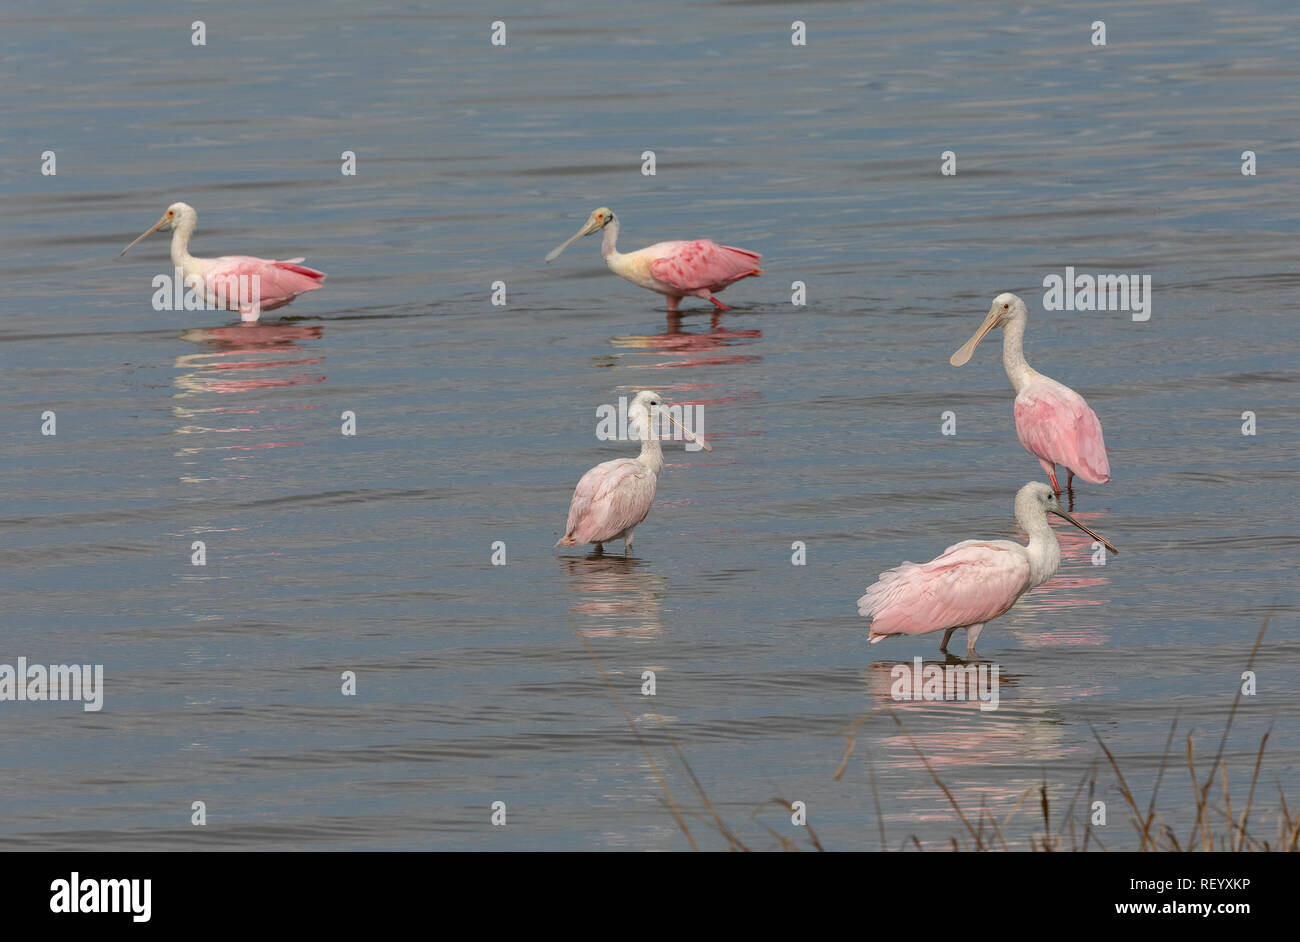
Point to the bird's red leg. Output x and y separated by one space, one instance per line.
1056 487
1069 481
718 304
672 304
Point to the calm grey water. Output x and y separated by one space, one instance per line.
372 553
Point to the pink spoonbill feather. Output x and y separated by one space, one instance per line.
229 279
974 581
699 269
615 496
1053 422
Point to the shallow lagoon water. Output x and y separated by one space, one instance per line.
372 553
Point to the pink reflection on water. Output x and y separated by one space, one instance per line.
242 359
952 734
614 595
260 350
701 348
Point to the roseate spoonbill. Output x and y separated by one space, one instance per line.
1053 421
675 269
613 497
974 581
276 284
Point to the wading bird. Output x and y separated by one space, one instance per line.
234 282
676 269
974 581
1053 421
613 497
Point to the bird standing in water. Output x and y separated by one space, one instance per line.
1053 422
698 268
613 497
972 582
235 282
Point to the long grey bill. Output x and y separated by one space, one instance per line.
554 253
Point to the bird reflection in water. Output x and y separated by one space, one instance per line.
247 356
882 685
706 348
955 735
615 595
242 358
952 732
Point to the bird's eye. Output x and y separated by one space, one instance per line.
1006 307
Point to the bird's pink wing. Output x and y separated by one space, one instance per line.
277 281
969 584
1054 423
690 266
610 498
